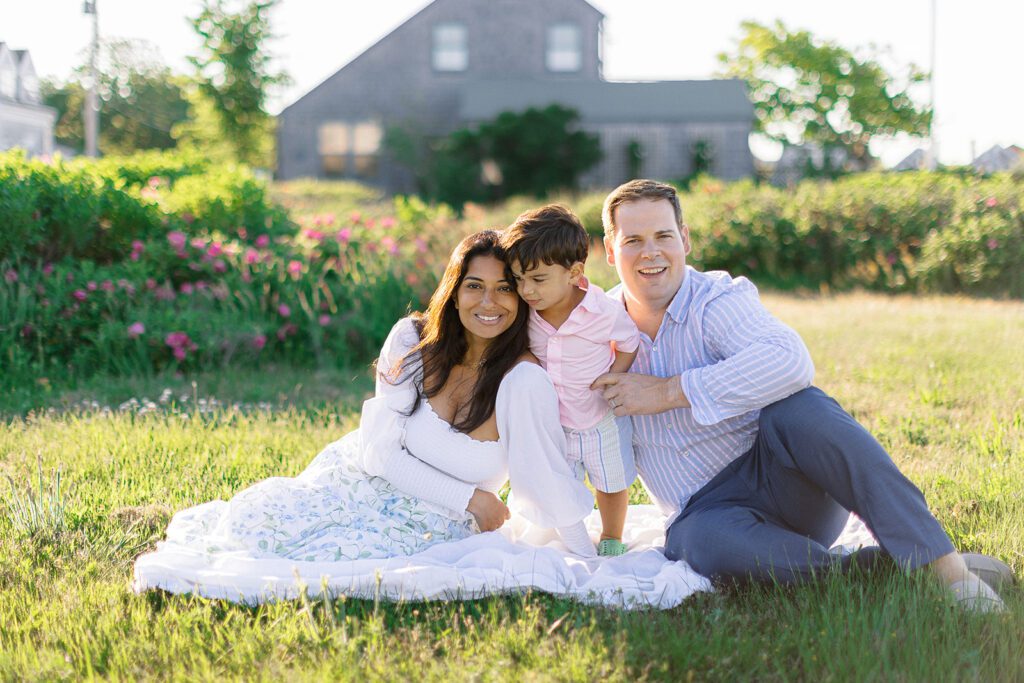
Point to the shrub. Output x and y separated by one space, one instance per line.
235 282
534 152
884 231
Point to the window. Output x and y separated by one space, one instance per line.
349 149
333 145
564 48
450 51
8 81
366 145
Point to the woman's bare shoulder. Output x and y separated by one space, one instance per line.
528 357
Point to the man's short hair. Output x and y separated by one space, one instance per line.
551 235
638 190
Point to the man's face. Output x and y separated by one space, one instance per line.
648 251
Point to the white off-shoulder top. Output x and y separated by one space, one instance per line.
422 456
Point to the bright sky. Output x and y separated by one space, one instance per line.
977 63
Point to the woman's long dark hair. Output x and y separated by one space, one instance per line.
443 343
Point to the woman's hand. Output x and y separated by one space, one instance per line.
488 509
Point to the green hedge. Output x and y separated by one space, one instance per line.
195 268
925 232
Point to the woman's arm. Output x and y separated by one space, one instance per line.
382 429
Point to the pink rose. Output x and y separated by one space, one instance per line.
79 294
251 256
390 244
47 269
177 240
387 222
294 268
284 311
324 320
262 241
219 266
214 250
136 329
991 202
992 243
179 353
91 286
107 286
150 283
286 331
186 288
259 341
344 235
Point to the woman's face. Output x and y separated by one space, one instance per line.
487 302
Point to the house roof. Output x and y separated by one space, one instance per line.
613 102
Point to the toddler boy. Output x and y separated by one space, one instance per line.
578 333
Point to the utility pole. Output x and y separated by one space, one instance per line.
932 158
91 112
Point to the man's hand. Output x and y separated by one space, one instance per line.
633 394
488 509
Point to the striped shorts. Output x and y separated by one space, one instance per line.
604 453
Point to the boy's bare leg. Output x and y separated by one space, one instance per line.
613 513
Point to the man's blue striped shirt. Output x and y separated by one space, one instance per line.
733 358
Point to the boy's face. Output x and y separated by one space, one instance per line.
545 285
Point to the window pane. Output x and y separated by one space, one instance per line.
334 164
333 138
366 165
368 135
450 52
563 52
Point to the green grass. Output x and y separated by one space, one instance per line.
937 379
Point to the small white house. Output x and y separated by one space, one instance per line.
25 122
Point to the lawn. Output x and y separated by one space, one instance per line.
937 379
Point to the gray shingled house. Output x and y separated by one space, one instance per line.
457 62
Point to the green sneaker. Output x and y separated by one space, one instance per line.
611 547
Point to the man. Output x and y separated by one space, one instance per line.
756 470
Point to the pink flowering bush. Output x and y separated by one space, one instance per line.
183 294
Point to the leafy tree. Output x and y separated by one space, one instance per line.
531 152
235 75
141 100
809 90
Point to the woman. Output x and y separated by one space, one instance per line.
460 407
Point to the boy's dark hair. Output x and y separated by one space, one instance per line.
552 235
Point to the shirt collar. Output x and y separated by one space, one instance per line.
590 301
681 301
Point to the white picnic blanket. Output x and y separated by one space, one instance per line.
515 559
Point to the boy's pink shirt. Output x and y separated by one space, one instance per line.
580 351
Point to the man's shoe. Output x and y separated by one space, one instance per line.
996 573
973 595
611 547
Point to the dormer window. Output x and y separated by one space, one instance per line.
564 48
8 81
450 51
